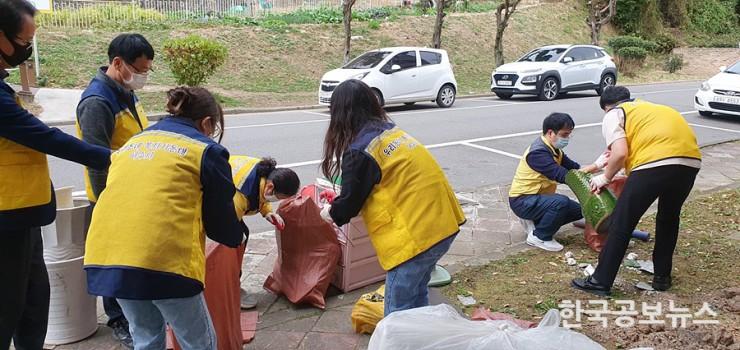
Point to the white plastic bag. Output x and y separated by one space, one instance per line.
440 327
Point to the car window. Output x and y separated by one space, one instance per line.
578 54
734 69
404 59
428 58
543 55
367 60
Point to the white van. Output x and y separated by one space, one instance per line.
398 75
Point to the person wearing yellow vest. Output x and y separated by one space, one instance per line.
108 115
658 150
532 195
26 193
259 183
146 242
394 182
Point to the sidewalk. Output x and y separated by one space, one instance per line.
492 232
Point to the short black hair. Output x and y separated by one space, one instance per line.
612 95
557 121
11 16
285 180
129 47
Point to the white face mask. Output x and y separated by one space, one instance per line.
271 198
137 80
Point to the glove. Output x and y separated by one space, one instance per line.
602 161
328 196
275 220
325 214
597 182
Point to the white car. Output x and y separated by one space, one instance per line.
398 75
721 93
552 70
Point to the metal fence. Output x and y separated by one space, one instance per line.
89 13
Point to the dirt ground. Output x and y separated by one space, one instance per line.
705 270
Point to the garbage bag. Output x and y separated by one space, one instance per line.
483 314
594 239
596 207
368 311
440 327
308 252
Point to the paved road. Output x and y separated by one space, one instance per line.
477 142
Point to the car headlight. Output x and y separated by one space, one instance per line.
360 76
530 79
705 86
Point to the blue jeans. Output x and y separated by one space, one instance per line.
548 211
406 284
188 318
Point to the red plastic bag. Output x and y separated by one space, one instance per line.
308 252
482 314
595 240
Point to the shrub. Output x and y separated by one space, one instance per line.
373 24
665 43
619 42
193 59
673 63
630 59
110 15
712 17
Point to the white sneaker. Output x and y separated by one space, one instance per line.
247 300
551 246
528 226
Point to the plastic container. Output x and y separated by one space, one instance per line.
64 238
72 312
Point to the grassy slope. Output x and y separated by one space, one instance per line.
283 65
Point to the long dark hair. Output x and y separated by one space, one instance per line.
353 105
196 103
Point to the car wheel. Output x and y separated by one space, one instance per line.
379 95
705 113
549 90
606 81
504 95
446 96
409 103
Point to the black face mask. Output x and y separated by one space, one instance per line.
20 54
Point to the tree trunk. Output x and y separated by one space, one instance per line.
347 11
437 37
503 13
599 14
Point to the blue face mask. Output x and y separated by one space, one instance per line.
562 142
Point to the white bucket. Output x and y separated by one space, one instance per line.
72 312
64 238
64 197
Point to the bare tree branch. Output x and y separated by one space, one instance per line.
347 12
600 12
503 13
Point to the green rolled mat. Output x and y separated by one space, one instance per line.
596 207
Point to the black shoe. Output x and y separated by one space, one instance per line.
590 285
122 334
661 283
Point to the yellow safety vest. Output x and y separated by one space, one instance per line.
152 222
413 207
25 178
656 132
241 169
527 181
125 125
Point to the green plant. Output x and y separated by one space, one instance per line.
373 24
632 53
109 15
193 59
664 43
628 15
673 63
275 25
619 42
712 17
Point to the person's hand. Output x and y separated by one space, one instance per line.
602 161
598 182
325 214
276 220
328 196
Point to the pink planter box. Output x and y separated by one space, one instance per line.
359 265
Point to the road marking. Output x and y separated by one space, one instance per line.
662 91
714 128
276 124
317 113
492 150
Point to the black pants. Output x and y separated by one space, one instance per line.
24 296
670 185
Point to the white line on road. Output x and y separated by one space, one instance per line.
493 150
276 124
713 128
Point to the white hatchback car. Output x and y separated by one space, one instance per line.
721 93
553 70
398 75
